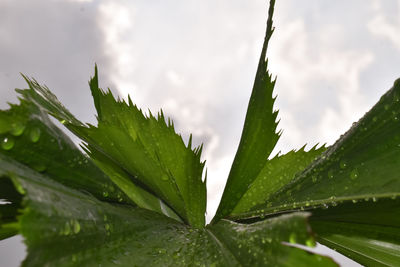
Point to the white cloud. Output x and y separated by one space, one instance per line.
303 63
383 27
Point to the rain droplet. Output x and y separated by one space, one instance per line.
292 238
17 129
34 135
105 194
39 167
354 174
67 229
77 227
330 174
164 177
310 243
162 251
343 164
7 143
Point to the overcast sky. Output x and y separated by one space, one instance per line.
197 61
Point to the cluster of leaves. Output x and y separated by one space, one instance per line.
138 195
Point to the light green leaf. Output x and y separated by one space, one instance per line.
366 231
152 152
259 134
65 227
147 149
276 173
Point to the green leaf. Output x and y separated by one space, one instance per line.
152 152
57 218
363 163
10 205
276 173
146 149
367 231
259 135
124 181
28 136
90 232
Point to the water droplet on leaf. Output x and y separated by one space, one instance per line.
77 227
354 174
7 143
293 238
34 135
343 164
17 129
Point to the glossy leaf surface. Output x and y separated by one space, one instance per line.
259 134
363 163
146 149
28 136
367 231
276 173
91 232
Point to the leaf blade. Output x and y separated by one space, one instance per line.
259 135
276 173
363 163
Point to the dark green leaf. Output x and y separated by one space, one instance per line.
259 134
148 150
363 163
151 151
10 205
366 231
63 226
28 136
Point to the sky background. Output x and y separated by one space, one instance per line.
197 61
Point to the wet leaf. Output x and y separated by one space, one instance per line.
259 134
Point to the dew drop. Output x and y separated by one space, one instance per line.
7 143
164 177
39 167
343 164
67 229
17 129
310 243
105 194
34 135
354 174
162 251
292 238
77 227
330 174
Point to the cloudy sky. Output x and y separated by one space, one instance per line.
197 61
